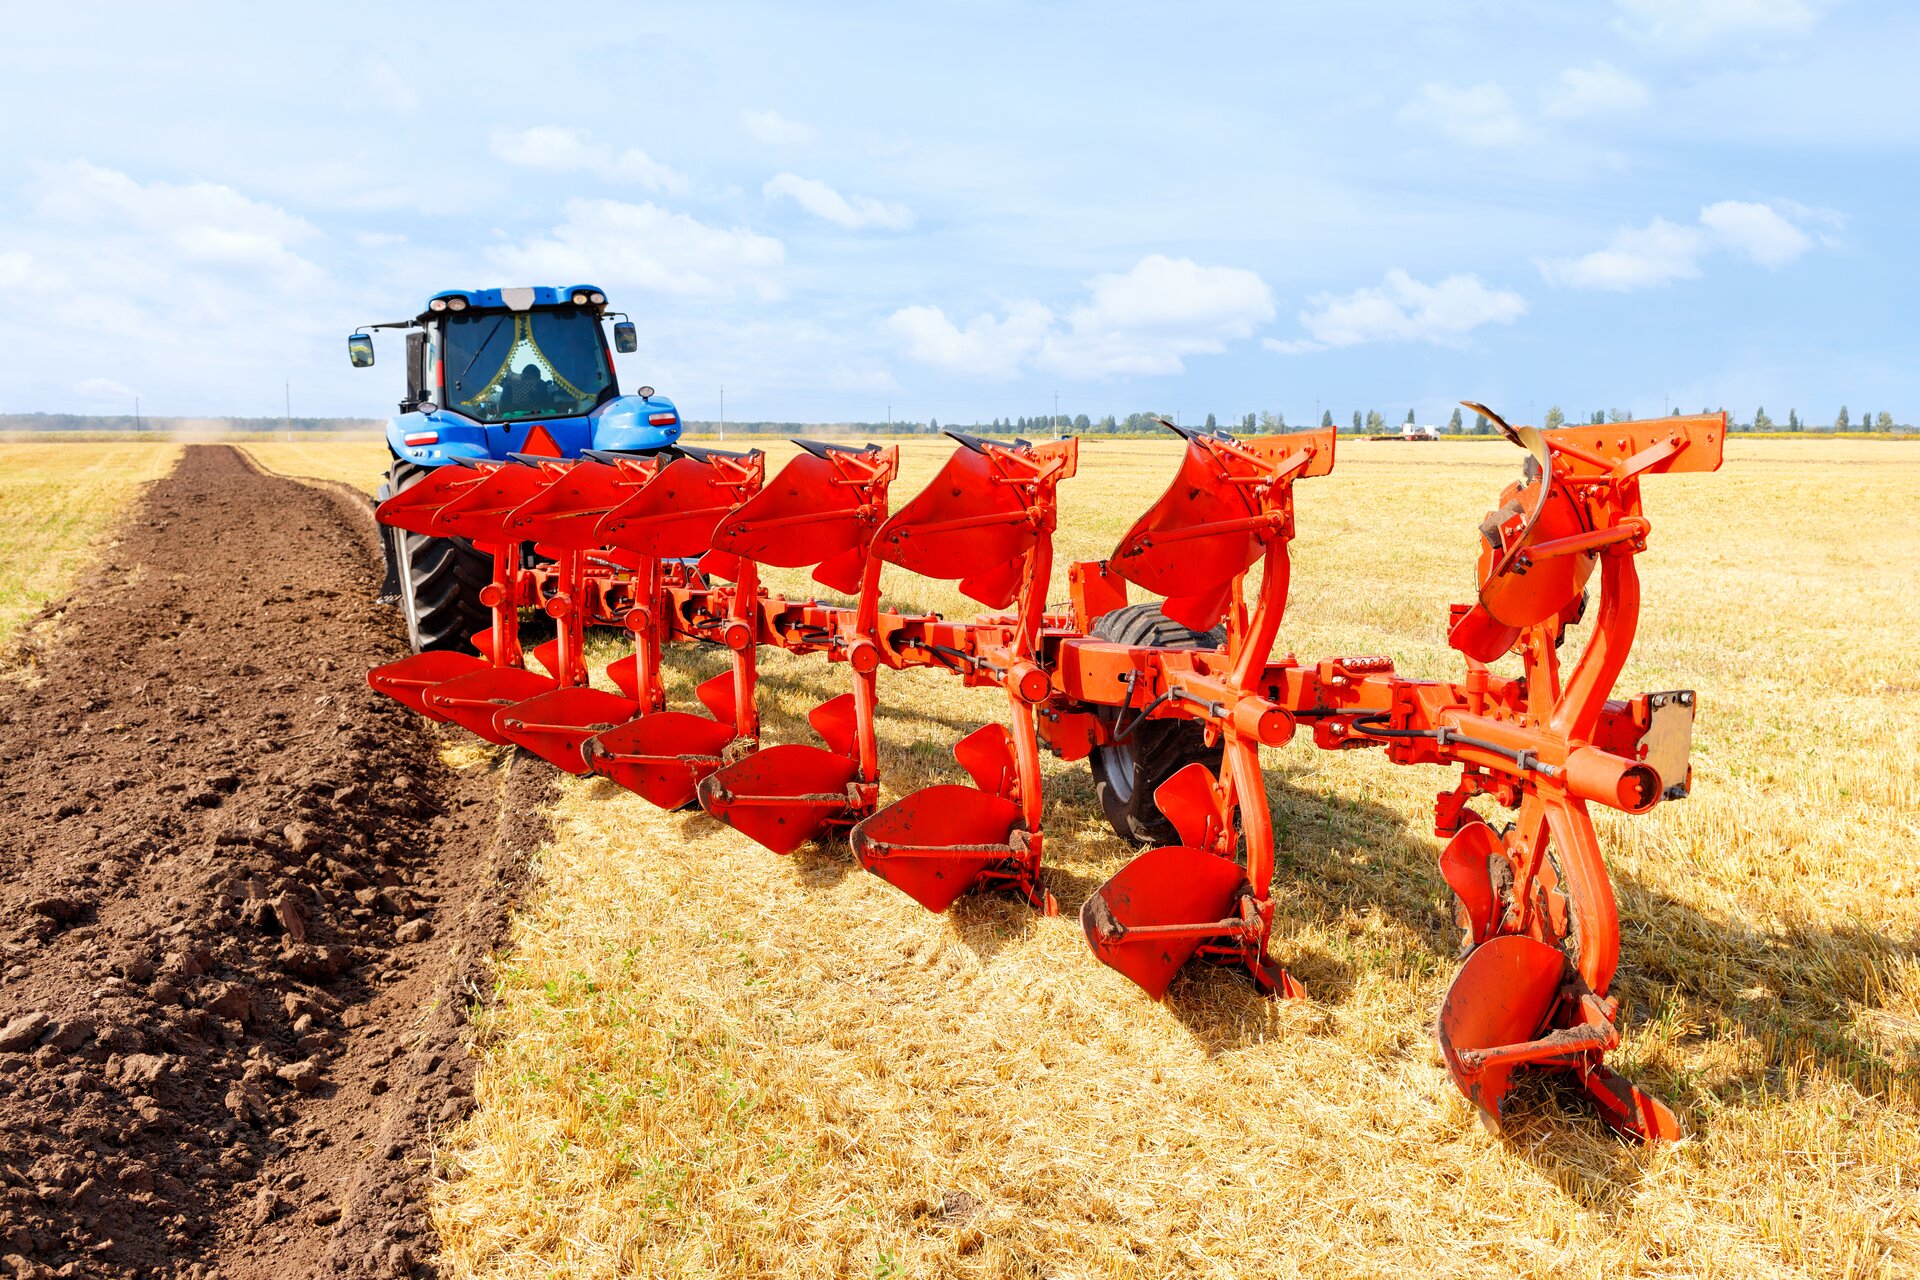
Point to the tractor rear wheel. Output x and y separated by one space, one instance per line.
438 580
1126 773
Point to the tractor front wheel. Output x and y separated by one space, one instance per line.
438 580
1126 773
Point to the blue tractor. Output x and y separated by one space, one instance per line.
491 373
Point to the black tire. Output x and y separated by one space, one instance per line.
438 579
1126 774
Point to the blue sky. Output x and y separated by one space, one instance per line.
959 210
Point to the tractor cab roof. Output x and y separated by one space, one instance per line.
526 298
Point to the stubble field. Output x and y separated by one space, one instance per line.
703 1059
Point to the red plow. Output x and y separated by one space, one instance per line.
1171 701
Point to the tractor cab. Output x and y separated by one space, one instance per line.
493 372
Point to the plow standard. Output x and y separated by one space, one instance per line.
1171 701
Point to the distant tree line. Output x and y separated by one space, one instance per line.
127 422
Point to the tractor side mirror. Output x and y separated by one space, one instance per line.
625 341
360 350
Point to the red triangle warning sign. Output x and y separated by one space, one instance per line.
538 441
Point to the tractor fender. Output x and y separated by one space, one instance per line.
455 437
627 422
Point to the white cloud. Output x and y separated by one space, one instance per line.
1480 115
1695 22
1662 252
1756 231
200 224
644 246
1141 322
1403 309
986 348
97 389
774 129
120 282
1635 258
1145 320
1599 89
851 212
560 150
16 268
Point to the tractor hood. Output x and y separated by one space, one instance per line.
624 422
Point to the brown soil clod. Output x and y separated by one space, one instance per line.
241 901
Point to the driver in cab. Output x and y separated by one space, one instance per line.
528 391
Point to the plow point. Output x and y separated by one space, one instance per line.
408 680
780 797
1166 887
934 844
555 726
661 757
473 701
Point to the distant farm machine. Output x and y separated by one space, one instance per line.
1171 701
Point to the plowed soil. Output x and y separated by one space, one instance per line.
243 903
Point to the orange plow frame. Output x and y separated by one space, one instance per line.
669 548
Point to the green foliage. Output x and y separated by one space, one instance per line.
1555 418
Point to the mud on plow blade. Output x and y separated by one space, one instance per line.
671 549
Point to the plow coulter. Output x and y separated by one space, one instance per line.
1172 699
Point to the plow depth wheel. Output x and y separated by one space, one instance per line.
1126 774
439 580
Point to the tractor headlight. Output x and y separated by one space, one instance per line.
579 299
456 304
438 304
599 298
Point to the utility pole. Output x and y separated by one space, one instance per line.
136 413
723 413
1056 413
289 390
889 419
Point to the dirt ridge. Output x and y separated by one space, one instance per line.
243 903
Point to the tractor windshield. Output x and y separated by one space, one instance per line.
504 366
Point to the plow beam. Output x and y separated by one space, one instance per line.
1545 930
481 511
562 520
664 755
821 510
986 520
421 508
1229 508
